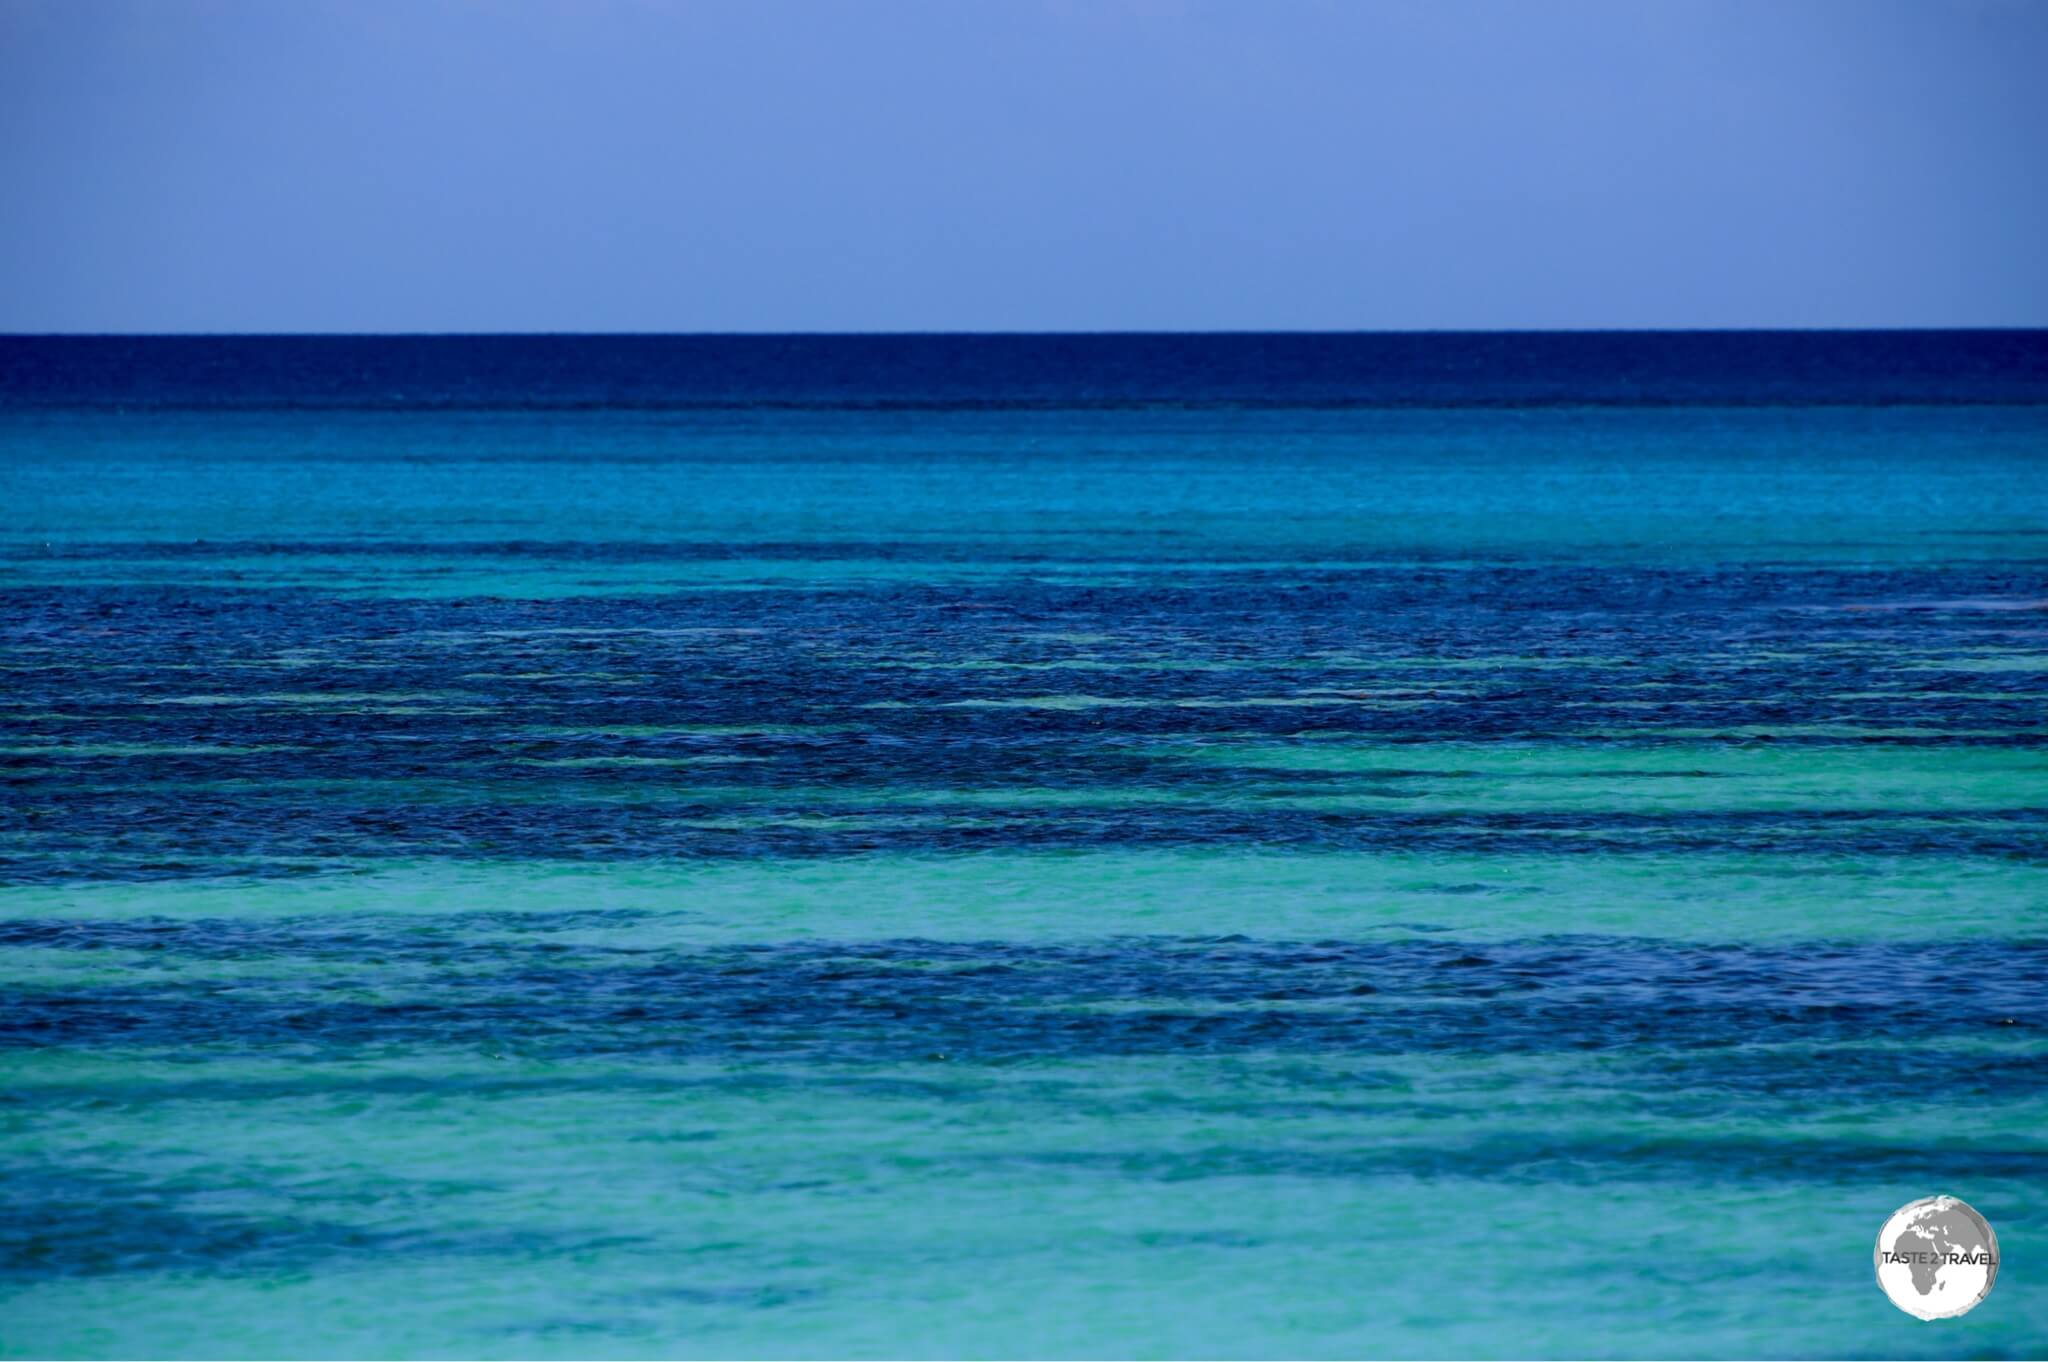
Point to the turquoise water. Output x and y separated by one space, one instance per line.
1131 881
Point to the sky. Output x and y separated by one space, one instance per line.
962 165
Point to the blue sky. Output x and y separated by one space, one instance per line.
765 165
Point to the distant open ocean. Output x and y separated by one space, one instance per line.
1244 845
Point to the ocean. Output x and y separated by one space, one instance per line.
986 846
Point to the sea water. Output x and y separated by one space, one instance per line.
1131 846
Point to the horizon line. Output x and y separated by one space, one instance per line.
916 333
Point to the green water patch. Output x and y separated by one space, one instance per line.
2033 660
1689 895
1848 731
437 1202
1660 778
1050 702
430 577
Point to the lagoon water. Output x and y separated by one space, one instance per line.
1130 846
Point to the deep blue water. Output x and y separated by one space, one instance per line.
1714 368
